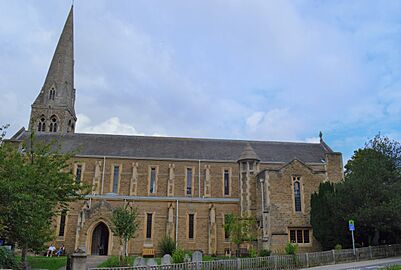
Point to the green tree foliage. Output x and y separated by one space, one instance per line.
370 195
167 245
240 230
125 227
35 185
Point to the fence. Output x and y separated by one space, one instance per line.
280 262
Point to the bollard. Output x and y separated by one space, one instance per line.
78 260
334 255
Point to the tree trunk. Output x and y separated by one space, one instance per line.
376 238
24 258
126 248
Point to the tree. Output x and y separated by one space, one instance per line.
125 226
240 230
36 184
328 226
372 190
370 195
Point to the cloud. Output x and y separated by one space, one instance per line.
112 125
312 140
269 70
276 124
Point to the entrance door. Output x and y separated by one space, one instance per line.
100 240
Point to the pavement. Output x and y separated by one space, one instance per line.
362 265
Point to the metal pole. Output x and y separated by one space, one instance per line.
353 241
176 225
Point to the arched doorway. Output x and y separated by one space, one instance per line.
100 240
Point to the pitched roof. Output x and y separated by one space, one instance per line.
148 147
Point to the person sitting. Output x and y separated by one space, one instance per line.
60 251
50 250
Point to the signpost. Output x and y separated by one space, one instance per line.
351 226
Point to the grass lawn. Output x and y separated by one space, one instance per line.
393 267
43 262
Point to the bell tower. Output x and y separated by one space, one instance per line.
53 110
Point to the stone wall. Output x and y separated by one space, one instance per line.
209 212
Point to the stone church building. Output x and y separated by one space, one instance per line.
182 187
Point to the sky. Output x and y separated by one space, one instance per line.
255 70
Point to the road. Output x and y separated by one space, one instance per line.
363 265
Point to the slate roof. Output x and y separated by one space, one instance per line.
149 147
248 153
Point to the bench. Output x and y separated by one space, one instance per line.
148 252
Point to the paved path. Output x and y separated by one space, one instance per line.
363 265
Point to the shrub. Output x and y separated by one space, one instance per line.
8 259
253 253
338 247
265 253
167 245
291 249
114 261
178 255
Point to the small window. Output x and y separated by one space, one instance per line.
251 166
297 193
42 125
244 166
191 220
226 182
300 236
116 175
78 174
189 181
292 236
52 94
53 124
152 186
306 236
149 217
62 223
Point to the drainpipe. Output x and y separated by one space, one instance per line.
176 225
199 174
104 167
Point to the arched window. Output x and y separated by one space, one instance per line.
297 193
52 94
53 124
42 125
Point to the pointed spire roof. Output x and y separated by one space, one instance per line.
248 153
61 72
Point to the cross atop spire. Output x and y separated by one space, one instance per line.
57 96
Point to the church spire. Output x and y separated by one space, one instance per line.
54 105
